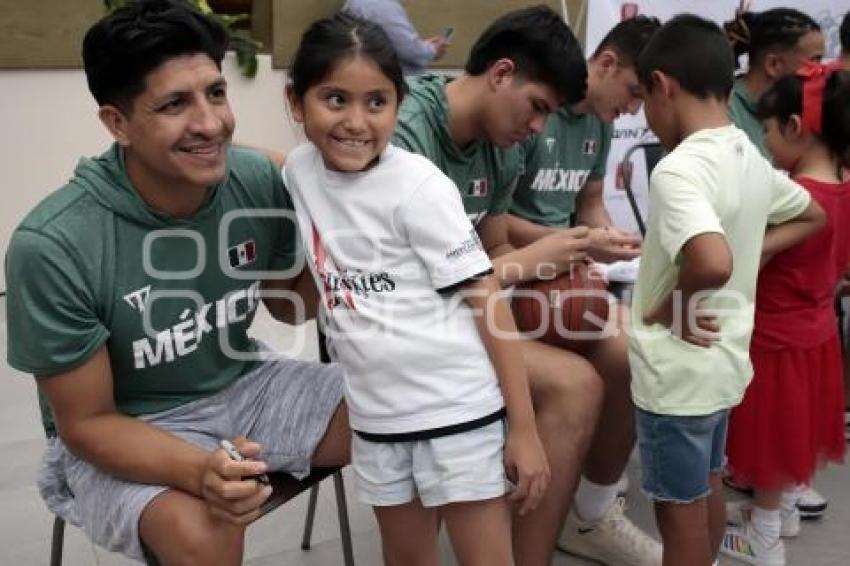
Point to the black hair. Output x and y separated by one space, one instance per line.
693 51
628 38
541 46
342 35
785 98
844 33
757 33
123 47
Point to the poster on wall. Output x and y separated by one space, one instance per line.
631 133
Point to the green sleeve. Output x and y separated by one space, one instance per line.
600 167
54 323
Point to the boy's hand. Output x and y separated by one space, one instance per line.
699 327
527 467
228 486
609 244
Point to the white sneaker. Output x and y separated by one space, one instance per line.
739 512
812 505
613 540
744 545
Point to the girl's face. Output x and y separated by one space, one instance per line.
349 115
784 142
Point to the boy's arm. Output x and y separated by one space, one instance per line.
132 449
525 459
782 236
550 255
706 265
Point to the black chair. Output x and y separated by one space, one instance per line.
653 152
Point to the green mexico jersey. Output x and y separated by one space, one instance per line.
484 174
171 298
572 149
742 112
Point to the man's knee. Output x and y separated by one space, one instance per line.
179 533
573 394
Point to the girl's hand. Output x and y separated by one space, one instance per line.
527 467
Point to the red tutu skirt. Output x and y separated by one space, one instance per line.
791 420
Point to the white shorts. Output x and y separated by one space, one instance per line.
467 466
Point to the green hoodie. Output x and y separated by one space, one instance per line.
77 280
485 174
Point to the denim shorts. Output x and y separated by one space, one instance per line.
679 452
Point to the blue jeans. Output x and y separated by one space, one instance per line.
679 452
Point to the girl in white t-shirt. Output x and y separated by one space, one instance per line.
411 309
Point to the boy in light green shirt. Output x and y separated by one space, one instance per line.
712 198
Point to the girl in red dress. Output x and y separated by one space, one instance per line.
791 419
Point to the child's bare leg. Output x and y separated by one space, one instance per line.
685 532
480 532
716 512
408 534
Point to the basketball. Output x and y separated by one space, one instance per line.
565 310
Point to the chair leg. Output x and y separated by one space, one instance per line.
344 526
58 541
311 515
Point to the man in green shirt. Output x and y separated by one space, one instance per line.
776 43
130 293
522 68
562 185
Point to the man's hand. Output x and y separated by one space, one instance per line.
440 45
698 326
564 247
527 467
609 244
229 488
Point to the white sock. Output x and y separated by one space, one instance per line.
593 500
789 500
767 523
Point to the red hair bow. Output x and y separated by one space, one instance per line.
814 76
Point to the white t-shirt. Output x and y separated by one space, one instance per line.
381 245
714 181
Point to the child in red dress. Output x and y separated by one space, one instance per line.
791 419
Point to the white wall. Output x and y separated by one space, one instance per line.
48 120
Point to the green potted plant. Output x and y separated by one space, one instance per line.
241 42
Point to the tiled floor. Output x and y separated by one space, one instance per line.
275 540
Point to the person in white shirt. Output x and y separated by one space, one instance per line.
414 52
438 395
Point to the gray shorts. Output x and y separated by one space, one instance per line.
285 405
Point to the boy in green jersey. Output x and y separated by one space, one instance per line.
131 290
523 67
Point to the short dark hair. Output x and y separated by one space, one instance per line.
628 38
693 51
541 46
123 47
342 35
757 33
844 33
785 98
